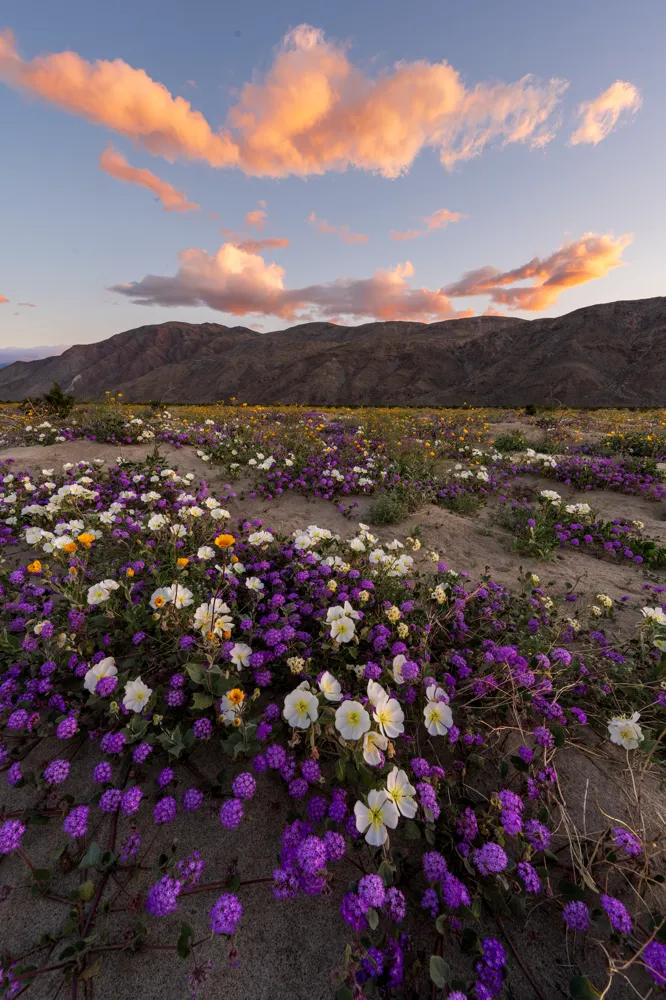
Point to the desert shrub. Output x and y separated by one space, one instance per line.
515 441
53 403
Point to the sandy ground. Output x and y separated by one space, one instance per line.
287 950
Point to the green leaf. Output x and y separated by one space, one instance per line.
183 945
195 671
570 890
41 874
340 768
200 700
87 891
373 919
386 873
581 988
559 734
439 971
92 970
441 925
91 857
520 764
344 993
412 831
504 768
469 941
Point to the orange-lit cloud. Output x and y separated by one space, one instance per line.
575 263
121 98
267 243
313 111
239 282
116 165
438 220
599 117
342 232
28 305
256 219
3 299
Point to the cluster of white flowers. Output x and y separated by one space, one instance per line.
536 456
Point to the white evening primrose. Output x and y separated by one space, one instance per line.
301 707
438 718
330 687
373 743
240 654
160 597
401 792
136 695
376 693
352 720
342 629
254 583
655 615
105 668
389 717
381 812
181 596
205 552
626 732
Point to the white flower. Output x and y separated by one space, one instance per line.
376 693
400 791
344 611
398 662
99 592
205 552
259 538
301 707
550 495
342 629
105 668
330 687
160 597
356 545
655 615
626 732
352 720
438 718
178 530
218 513
240 654
156 522
181 596
372 744
389 717
254 583
136 695
381 812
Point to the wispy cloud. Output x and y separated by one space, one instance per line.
599 117
116 165
311 112
438 220
574 263
342 232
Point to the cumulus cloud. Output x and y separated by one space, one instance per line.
8 355
438 220
311 112
599 117
116 165
574 263
240 282
342 232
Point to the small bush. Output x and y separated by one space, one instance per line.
510 442
53 402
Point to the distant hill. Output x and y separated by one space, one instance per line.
603 355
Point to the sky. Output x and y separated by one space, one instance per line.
267 164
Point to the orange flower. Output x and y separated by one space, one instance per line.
236 696
70 547
35 567
182 562
225 541
129 571
86 539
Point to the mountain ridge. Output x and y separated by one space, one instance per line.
609 354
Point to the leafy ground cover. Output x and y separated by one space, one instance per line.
178 672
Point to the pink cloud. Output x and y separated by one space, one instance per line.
116 165
3 300
574 263
342 232
438 220
28 305
313 110
599 117
239 282
256 219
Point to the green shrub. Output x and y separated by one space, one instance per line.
510 442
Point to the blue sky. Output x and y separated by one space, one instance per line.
70 231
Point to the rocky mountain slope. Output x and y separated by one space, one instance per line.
603 355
